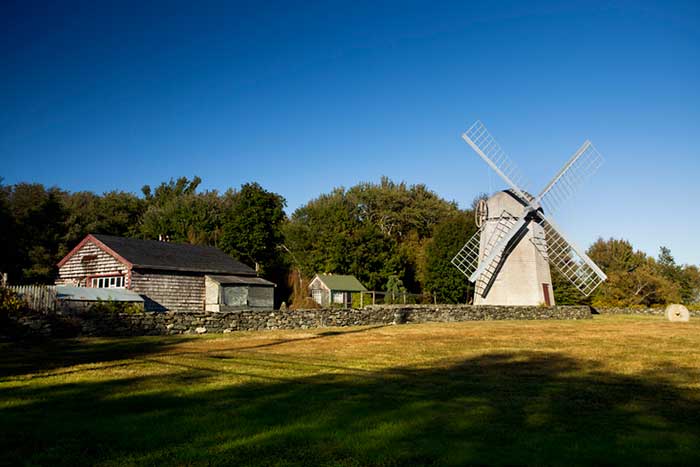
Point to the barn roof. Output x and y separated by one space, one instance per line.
341 283
152 254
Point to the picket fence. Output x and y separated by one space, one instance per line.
37 297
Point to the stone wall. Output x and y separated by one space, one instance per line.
88 323
454 313
639 311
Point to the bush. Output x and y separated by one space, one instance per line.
112 306
356 301
10 302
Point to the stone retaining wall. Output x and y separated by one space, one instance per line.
88 323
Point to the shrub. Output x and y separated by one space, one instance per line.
10 302
356 301
112 306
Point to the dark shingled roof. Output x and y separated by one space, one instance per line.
243 280
152 254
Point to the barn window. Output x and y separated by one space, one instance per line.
108 282
88 258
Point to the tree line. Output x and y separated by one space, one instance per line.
392 236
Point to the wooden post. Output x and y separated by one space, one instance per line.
362 299
374 296
404 298
434 299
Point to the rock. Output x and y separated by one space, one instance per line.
200 330
677 313
228 330
169 326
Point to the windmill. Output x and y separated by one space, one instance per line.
508 257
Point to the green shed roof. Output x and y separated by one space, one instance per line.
342 283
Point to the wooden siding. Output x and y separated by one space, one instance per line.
317 283
165 291
89 261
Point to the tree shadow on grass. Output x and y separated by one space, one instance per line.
318 334
35 356
502 408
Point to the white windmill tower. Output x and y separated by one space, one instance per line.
508 258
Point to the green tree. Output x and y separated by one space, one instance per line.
371 230
690 285
331 235
442 279
39 217
114 213
8 234
394 289
252 225
687 278
633 277
177 212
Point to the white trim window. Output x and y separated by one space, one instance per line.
317 295
108 282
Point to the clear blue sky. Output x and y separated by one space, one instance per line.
302 98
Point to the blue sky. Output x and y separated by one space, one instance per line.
309 96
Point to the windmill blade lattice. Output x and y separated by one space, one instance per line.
488 149
582 165
505 223
467 259
575 267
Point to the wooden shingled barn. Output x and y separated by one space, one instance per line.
169 276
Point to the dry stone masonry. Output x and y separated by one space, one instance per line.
89 323
640 311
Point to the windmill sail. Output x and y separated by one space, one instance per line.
486 146
472 253
582 165
467 258
571 262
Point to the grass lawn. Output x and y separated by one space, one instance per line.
610 390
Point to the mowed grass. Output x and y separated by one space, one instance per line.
610 390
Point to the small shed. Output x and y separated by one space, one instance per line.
336 289
225 293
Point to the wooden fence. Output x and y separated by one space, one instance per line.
37 297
